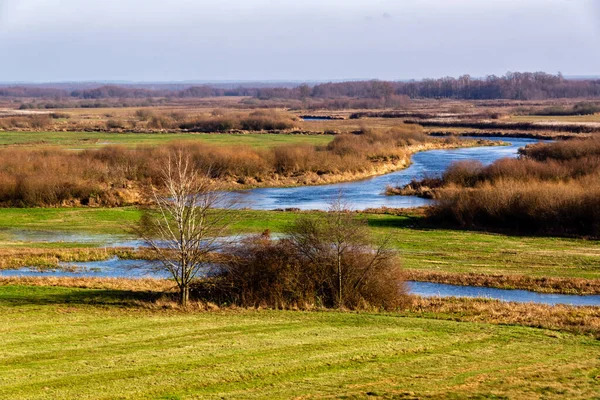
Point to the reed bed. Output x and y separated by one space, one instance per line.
552 189
115 176
47 259
580 320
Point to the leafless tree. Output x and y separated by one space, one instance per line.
343 251
185 227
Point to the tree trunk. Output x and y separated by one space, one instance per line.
339 271
184 295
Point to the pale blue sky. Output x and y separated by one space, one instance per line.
159 40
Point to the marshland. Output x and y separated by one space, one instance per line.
492 196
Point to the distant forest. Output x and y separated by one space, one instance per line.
515 86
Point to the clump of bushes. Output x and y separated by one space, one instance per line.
327 261
582 108
35 121
553 188
267 120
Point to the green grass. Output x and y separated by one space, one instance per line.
63 343
93 220
86 140
422 249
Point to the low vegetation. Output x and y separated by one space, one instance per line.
45 259
150 120
113 175
328 260
551 189
582 108
501 126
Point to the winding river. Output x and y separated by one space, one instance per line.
369 193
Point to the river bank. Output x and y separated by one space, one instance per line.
377 167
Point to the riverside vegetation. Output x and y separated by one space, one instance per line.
116 176
551 189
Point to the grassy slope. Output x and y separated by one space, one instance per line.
423 249
67 343
84 140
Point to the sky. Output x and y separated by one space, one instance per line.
308 40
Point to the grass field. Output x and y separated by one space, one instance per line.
560 118
422 249
62 343
86 140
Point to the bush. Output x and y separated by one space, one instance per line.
295 272
256 121
115 124
554 188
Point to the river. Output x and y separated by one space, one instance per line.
369 193
136 269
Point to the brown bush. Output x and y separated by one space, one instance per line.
563 150
554 188
260 272
529 207
463 173
115 124
267 120
144 114
36 121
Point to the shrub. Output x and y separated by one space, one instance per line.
144 114
554 188
115 124
299 273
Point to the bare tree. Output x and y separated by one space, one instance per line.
342 249
185 227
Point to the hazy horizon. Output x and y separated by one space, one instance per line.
138 41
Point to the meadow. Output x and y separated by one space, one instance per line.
425 250
95 140
67 342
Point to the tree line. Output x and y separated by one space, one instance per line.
517 86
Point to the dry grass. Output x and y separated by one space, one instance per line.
133 285
582 320
51 258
